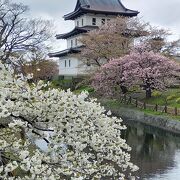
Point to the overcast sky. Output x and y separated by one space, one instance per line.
162 13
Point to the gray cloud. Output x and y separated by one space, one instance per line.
52 7
52 10
165 13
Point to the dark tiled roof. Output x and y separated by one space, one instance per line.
66 52
111 7
76 31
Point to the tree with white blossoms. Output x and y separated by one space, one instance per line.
84 141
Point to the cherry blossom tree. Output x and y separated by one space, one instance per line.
117 37
41 70
112 40
109 79
147 69
37 63
157 40
84 141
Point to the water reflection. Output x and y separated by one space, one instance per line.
156 152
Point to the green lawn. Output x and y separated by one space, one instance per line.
114 104
84 88
170 97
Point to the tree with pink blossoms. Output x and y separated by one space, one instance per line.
109 79
147 69
112 40
117 37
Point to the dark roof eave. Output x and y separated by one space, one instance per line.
72 33
76 31
70 15
65 52
79 12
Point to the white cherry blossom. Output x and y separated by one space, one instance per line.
84 142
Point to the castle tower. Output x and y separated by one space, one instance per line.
87 15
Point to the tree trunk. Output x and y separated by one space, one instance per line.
148 93
124 89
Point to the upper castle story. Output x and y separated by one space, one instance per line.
96 12
90 14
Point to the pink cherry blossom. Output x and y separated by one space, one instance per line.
147 69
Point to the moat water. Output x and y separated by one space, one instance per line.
156 152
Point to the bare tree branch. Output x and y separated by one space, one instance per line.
17 33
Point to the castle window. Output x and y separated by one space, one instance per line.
94 21
103 21
82 22
76 42
65 63
69 63
71 43
77 23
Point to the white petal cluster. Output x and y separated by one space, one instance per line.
17 123
84 142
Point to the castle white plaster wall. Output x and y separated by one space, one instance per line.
68 70
76 68
87 19
74 39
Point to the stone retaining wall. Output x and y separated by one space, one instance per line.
161 122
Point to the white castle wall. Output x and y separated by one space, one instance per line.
87 19
72 66
68 70
73 40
